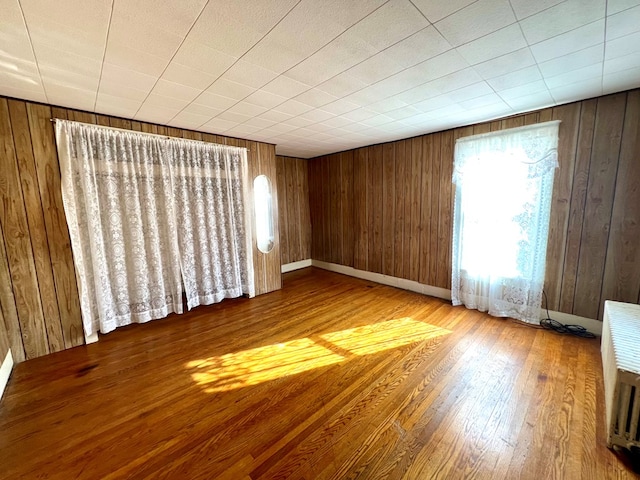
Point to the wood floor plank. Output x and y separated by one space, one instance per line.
329 378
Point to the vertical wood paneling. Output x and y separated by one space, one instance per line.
445 213
402 216
346 215
35 220
388 208
578 199
39 302
401 182
283 215
600 189
415 254
4 339
360 209
13 217
426 167
334 179
569 116
11 323
375 202
621 278
294 199
55 221
433 154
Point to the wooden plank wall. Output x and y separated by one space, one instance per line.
38 292
401 205
294 220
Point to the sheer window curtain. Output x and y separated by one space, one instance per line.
124 195
503 185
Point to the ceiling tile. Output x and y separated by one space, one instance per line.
124 76
577 91
340 107
623 23
523 103
312 25
213 100
575 76
88 15
265 99
618 64
175 90
533 88
249 74
117 89
187 76
201 57
562 18
437 10
572 61
578 39
146 36
463 26
227 88
501 42
293 107
394 21
621 80
157 100
471 91
70 38
316 115
203 110
232 28
526 8
506 63
341 85
421 46
218 125
249 109
513 79
125 56
622 46
68 78
15 39
275 116
315 98
615 6
285 87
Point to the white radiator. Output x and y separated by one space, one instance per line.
621 367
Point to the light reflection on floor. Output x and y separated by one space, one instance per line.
257 365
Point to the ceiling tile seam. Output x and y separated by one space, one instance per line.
234 63
172 57
33 51
104 55
293 66
421 12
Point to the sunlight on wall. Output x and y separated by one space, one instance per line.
257 365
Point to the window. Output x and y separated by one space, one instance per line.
504 182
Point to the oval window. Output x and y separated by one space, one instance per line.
264 213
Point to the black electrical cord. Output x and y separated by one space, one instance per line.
551 324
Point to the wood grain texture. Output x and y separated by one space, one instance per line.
38 290
4 339
35 219
329 378
599 203
592 251
13 217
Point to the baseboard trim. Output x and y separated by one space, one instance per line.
5 371
89 339
290 267
594 326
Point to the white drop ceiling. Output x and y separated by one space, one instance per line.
317 76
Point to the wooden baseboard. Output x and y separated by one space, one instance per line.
290 267
5 371
594 326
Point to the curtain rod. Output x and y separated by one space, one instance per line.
54 120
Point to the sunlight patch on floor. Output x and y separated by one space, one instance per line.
262 364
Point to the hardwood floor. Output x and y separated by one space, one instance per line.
331 377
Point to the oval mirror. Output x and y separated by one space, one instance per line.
263 209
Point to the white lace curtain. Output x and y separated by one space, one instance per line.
151 218
503 185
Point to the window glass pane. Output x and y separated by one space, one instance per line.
264 213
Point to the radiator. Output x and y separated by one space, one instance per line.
621 369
